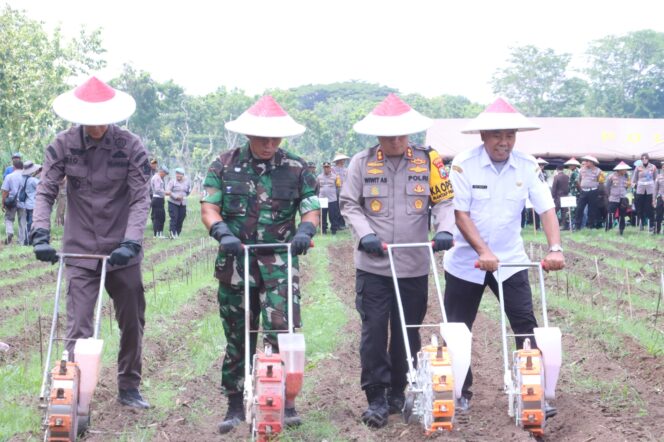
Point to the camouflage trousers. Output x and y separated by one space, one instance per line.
268 278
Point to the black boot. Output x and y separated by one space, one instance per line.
395 400
291 418
234 415
376 415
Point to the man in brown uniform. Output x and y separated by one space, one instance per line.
560 187
386 198
590 176
107 172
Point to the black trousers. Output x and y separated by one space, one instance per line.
644 208
462 300
158 214
660 213
622 211
588 198
332 212
177 214
384 364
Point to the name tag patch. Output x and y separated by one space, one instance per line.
479 186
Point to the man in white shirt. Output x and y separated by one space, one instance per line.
491 183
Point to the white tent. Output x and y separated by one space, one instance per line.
608 139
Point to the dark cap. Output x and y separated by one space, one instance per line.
326 164
154 161
311 164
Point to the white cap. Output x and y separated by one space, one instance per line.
339 156
500 115
392 117
622 166
94 103
590 158
266 119
572 162
541 160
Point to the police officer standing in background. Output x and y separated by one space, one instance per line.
590 177
386 199
617 186
253 195
158 191
327 189
177 191
107 170
340 171
491 184
643 180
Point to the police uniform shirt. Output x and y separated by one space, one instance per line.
494 201
328 187
589 179
644 179
178 189
157 186
617 187
392 201
659 187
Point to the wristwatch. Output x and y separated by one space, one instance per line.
556 248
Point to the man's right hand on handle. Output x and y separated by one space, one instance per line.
228 242
487 261
372 245
40 239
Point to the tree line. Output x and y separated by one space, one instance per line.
623 77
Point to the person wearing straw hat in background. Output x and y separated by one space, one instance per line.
254 193
340 171
386 199
177 191
107 170
491 183
158 191
643 180
590 177
617 186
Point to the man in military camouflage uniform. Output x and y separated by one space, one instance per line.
253 195
573 165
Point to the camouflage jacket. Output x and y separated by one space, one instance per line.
573 183
259 199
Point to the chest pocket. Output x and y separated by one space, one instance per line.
479 199
417 198
516 198
285 195
117 169
235 199
376 200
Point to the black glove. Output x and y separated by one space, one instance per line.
442 241
302 239
228 243
371 245
40 239
127 250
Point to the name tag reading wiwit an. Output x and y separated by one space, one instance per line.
567 201
323 202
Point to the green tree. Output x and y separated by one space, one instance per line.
34 68
627 75
537 82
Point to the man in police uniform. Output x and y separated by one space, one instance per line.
253 195
658 199
617 186
107 170
340 171
590 177
158 192
643 180
386 199
328 189
491 183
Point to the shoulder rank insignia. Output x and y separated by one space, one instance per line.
418 188
417 169
376 206
409 152
418 161
375 171
379 155
457 169
375 164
